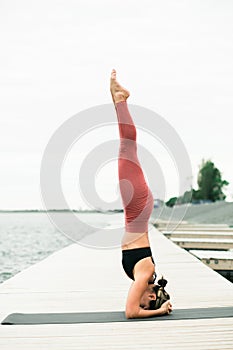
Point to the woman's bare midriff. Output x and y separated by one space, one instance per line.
135 240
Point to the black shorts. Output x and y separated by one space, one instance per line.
131 256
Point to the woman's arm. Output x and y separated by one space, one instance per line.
166 308
133 309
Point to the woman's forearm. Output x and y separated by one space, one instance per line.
165 309
141 313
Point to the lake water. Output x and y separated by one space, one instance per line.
26 238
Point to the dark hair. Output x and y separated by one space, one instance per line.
161 295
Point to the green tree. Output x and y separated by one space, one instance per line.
195 195
171 202
186 198
210 186
210 182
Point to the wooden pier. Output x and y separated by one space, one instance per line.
80 279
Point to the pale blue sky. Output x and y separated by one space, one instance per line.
56 56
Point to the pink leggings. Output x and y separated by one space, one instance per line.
136 196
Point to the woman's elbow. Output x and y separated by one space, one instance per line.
130 314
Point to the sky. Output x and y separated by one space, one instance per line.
175 57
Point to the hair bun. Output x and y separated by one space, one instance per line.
162 282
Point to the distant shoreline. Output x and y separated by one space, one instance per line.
219 212
60 211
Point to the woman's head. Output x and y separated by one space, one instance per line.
148 296
155 295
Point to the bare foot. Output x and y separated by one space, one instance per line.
118 92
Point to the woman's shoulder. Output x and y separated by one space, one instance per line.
145 268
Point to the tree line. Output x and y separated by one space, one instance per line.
210 186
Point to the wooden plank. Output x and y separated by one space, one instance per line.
219 264
188 224
215 259
198 234
204 243
181 226
212 254
194 228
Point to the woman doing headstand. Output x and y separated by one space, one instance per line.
145 298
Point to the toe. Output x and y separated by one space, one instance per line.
113 74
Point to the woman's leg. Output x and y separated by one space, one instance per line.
136 196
